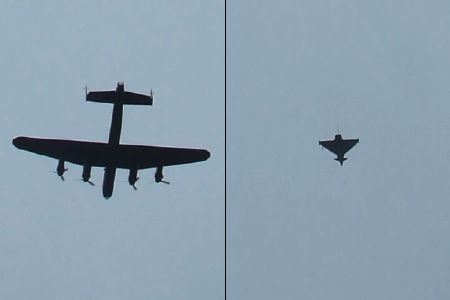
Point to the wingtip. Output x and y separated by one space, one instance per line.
207 154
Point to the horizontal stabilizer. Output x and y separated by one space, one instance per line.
129 98
102 96
138 99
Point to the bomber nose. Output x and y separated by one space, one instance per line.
17 141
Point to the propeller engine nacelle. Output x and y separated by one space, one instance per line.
159 175
132 178
60 169
87 174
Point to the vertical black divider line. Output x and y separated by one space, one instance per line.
225 138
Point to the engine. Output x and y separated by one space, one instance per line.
60 169
86 173
132 178
158 174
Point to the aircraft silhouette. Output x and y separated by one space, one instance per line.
112 155
339 146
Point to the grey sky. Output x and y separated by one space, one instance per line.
62 240
299 225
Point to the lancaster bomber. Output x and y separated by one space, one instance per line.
112 155
339 146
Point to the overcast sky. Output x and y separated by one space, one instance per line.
299 225
63 240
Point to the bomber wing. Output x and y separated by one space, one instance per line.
103 155
339 147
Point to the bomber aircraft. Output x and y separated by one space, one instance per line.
112 155
339 146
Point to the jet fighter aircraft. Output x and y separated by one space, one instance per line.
112 155
339 146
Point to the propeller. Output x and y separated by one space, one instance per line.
61 176
159 175
163 181
90 182
134 183
156 182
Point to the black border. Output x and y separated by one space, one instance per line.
225 138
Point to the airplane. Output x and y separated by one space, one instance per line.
112 155
339 146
